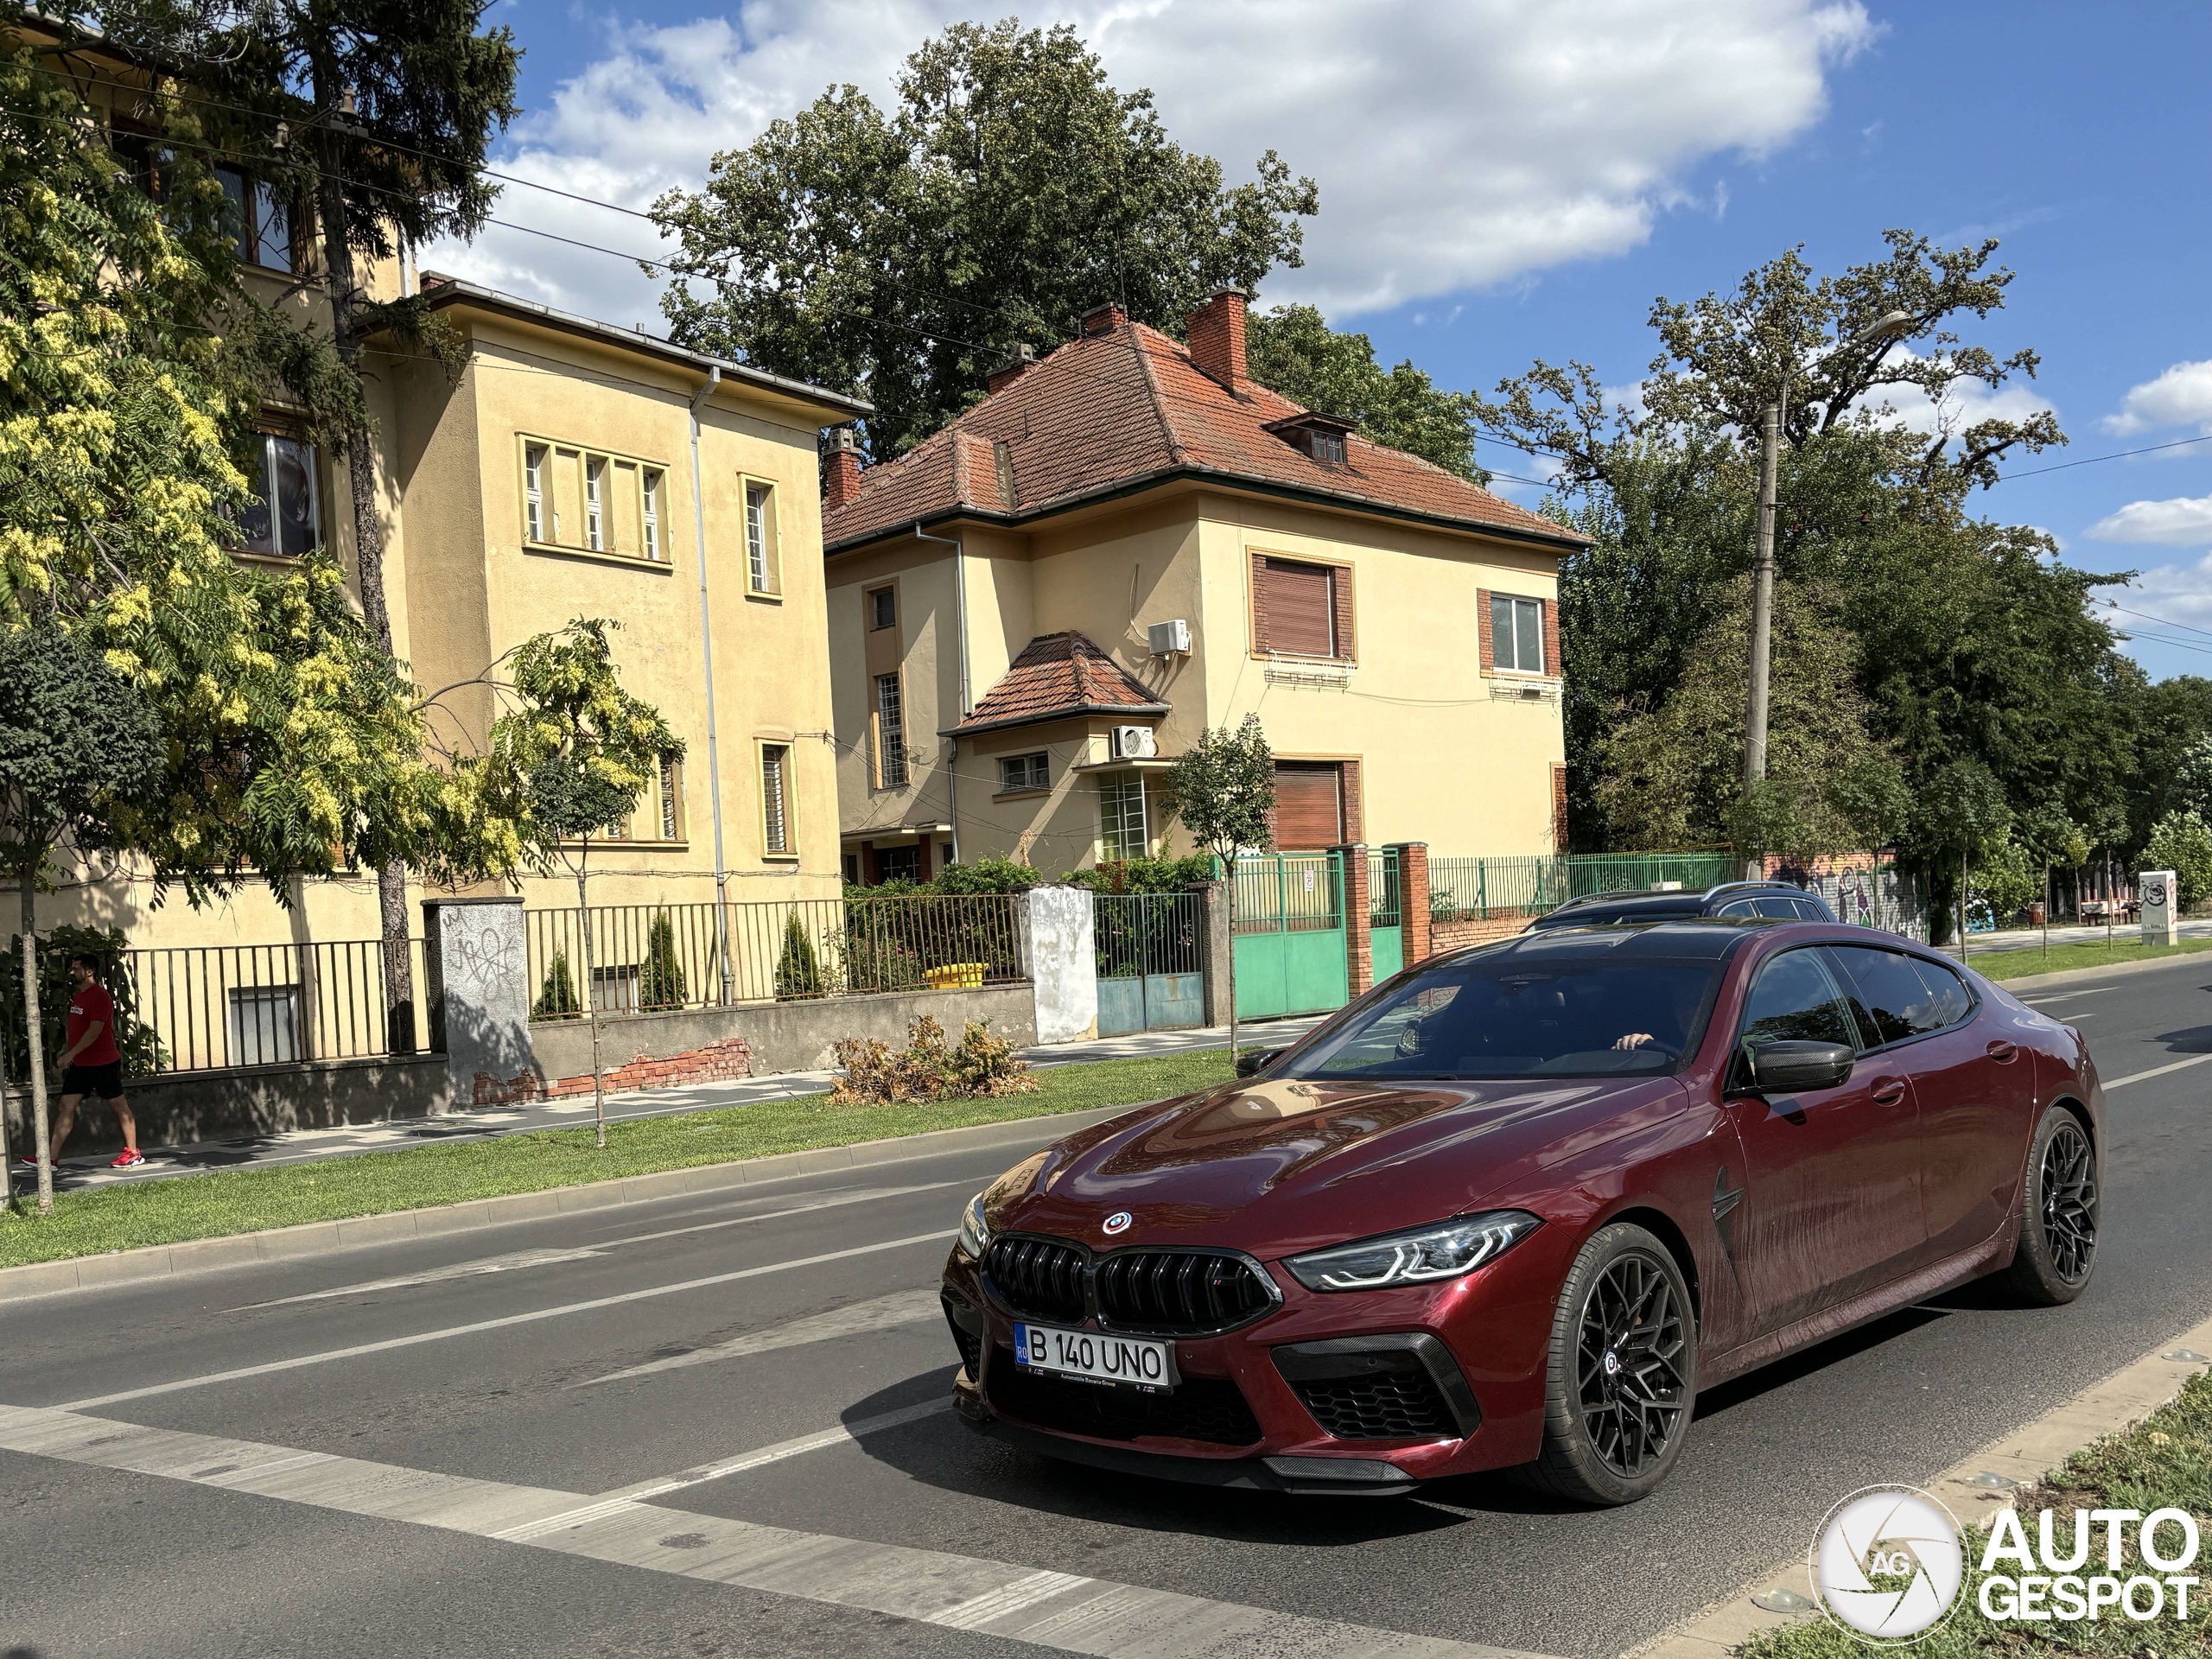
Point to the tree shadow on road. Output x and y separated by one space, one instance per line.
2193 1039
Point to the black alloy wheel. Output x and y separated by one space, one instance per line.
1624 1371
2058 1246
1628 1385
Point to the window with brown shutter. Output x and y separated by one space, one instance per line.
1298 607
1309 804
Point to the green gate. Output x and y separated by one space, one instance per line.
1289 939
1385 934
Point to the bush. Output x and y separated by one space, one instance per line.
2182 842
927 1070
142 1049
1146 874
798 970
556 998
2008 879
660 982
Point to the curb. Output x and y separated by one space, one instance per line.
2018 1460
159 1261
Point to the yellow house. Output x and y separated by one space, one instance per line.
1032 612
555 467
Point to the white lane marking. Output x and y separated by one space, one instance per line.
855 1318
2155 1072
2060 996
1058 1611
844 1434
361 1348
544 1258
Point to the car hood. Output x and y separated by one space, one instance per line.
1277 1165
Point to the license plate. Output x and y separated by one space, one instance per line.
1092 1357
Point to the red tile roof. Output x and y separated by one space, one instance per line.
1119 409
1057 674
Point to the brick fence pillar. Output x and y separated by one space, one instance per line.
1359 945
1413 901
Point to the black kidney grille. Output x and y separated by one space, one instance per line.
1039 1278
1179 1290
1208 1408
1381 1406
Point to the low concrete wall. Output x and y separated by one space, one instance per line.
224 1106
784 1036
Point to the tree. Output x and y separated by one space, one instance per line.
1223 788
2181 842
660 982
565 765
75 741
556 997
1960 817
902 255
1292 350
798 972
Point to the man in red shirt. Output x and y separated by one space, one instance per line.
92 1064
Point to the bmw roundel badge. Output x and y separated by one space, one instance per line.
1118 1222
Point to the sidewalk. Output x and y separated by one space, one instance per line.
91 1173
2030 938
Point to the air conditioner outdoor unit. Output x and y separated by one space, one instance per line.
1135 743
1168 638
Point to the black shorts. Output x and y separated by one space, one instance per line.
105 1081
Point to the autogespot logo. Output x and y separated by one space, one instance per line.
1888 1563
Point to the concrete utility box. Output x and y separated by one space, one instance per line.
2161 906
478 958
1058 953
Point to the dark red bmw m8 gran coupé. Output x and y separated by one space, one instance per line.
1515 1206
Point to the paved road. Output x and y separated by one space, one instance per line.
393 1451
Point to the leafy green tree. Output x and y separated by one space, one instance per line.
1222 789
798 970
660 982
556 998
1292 350
1960 817
568 760
2182 842
902 254
2008 876
76 742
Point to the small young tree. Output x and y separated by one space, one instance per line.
1223 788
2181 842
1960 814
798 972
556 997
76 742
569 762
661 984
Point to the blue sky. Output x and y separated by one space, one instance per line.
1501 182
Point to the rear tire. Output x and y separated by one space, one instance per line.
1622 1381
2058 1251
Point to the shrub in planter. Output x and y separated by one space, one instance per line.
556 998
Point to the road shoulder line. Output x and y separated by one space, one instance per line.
159 1261
2021 1457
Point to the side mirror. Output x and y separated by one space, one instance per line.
1254 1060
1794 1065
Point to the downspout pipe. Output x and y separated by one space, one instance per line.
960 634
706 651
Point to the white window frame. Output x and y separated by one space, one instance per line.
760 501
778 836
1512 639
533 490
890 732
265 464
1114 825
1023 772
594 503
649 485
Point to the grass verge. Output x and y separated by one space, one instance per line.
2164 1461
2017 963
417 1178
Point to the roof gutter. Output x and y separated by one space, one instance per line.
707 654
960 644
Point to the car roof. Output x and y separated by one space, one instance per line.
1701 938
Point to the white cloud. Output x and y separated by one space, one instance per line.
2181 396
1456 146
2174 523
2170 605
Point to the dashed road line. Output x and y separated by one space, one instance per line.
854 1320
1063 1611
2155 1072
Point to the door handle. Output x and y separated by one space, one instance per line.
2003 1052
1887 1092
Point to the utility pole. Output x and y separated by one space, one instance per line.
1762 595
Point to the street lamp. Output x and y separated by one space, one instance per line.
1882 328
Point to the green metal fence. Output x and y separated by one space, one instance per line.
1530 885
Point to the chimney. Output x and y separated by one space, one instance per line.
841 470
1217 337
1103 318
1017 362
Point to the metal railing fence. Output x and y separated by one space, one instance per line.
648 958
1529 885
1139 933
1288 892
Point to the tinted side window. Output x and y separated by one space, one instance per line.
1892 1001
1811 909
1950 998
1796 1000
1741 908
1778 904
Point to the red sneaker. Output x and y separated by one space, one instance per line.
126 1158
30 1157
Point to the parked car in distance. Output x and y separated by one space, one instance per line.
1776 898
1516 1205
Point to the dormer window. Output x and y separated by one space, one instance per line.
1321 436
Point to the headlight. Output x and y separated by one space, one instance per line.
1444 1251
975 1231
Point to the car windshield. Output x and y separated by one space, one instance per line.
1506 1016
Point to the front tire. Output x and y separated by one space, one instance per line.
2057 1250
1623 1373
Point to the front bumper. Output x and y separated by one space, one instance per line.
1370 1393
